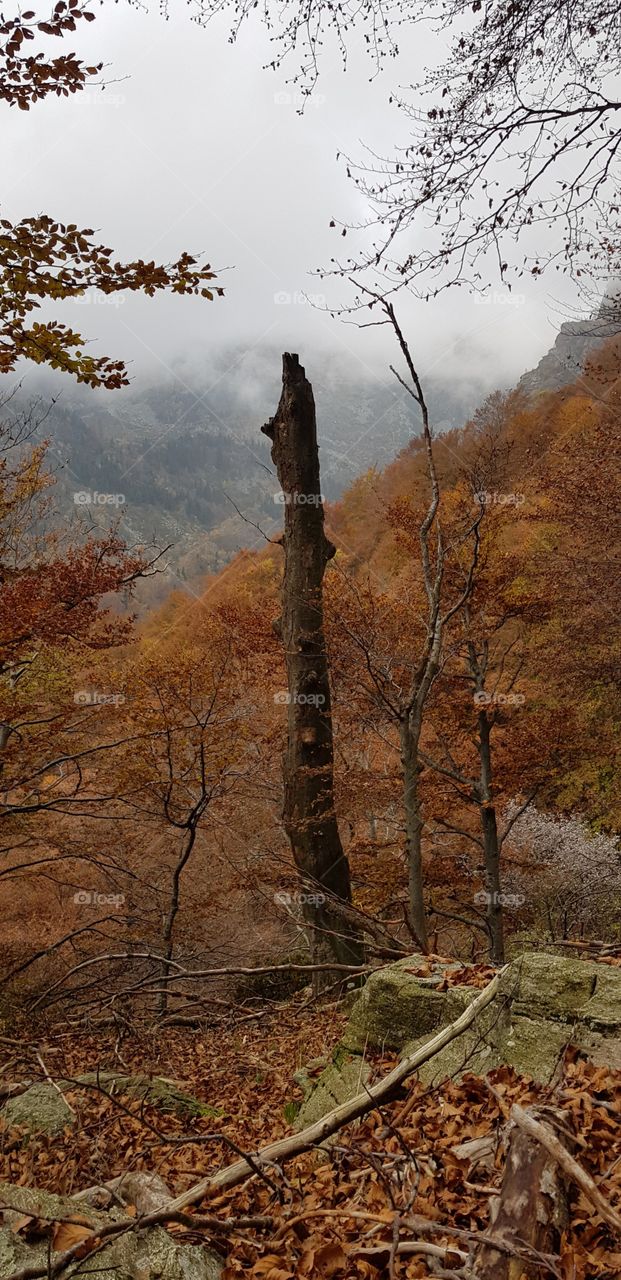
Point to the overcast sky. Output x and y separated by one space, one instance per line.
193 146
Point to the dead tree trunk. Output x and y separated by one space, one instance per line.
309 813
530 1213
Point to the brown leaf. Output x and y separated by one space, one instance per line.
270 1266
330 1259
20 1224
67 1234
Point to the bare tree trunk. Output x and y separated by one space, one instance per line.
417 913
309 813
491 845
531 1209
171 915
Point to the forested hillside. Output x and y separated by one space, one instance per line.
185 459
309 643
142 781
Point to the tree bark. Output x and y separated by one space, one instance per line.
491 847
417 913
309 813
531 1209
171 915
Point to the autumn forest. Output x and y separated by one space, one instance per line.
310 862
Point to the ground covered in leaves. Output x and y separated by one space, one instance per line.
339 1213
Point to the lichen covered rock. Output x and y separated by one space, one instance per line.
151 1252
158 1091
397 1005
546 1003
43 1109
562 988
343 1078
40 1109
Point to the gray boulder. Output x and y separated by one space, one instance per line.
547 1002
343 1078
151 1252
41 1109
396 1005
159 1091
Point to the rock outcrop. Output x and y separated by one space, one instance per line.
42 1108
342 1078
575 342
546 1003
29 1217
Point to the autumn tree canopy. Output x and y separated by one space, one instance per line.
45 261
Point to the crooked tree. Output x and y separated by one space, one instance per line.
309 814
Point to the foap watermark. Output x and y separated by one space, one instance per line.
299 100
302 699
299 299
493 498
299 499
91 498
498 299
94 698
484 699
91 898
102 99
93 298
299 899
485 899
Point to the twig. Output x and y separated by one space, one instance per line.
378 1251
54 1084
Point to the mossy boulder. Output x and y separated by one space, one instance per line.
561 988
43 1109
40 1109
479 1049
546 1003
343 1078
469 1052
398 1005
158 1091
151 1252
535 1047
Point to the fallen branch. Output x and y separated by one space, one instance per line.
379 1252
276 1152
424 1226
53 1083
543 1134
530 1211
352 1109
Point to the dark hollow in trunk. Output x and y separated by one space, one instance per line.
309 813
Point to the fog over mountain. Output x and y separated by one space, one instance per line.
180 461
183 461
191 144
